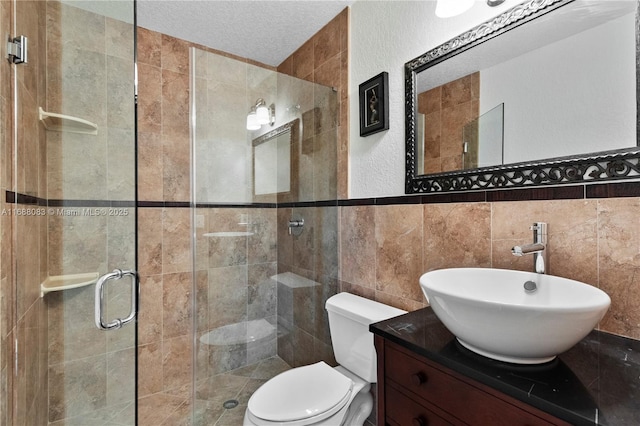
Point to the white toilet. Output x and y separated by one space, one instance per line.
318 394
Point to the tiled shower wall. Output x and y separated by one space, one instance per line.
235 295
89 75
313 254
164 230
232 273
324 59
23 262
385 249
164 248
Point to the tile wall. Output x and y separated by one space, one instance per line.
89 76
164 229
313 255
7 284
164 247
447 109
23 262
385 249
231 273
324 59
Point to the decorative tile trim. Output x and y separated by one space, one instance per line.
570 192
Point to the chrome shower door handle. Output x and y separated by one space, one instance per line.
117 323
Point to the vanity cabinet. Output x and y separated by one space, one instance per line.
413 390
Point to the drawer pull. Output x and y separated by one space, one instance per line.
418 379
419 421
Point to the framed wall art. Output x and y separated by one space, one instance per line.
374 105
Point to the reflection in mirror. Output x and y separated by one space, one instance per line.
565 71
483 140
272 161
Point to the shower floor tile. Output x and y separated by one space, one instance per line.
175 409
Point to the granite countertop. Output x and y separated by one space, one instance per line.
597 382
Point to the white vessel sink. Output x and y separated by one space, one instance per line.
490 312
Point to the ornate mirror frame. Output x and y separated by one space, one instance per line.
587 168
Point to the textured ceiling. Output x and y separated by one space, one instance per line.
266 31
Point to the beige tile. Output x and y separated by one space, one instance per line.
177 305
150 317
149 369
263 244
176 167
175 103
619 258
227 295
150 167
227 251
399 250
175 54
154 409
149 47
399 302
328 41
150 234
303 64
176 361
358 246
456 92
119 38
571 236
176 240
149 98
457 235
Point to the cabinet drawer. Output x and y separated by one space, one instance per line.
459 398
406 412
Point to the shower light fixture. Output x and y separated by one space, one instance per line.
260 114
252 119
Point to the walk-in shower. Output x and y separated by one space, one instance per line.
259 289
68 149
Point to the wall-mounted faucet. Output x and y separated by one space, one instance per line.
295 226
538 248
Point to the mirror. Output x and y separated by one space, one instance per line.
545 93
272 171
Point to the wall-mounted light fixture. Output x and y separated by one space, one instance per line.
449 8
260 114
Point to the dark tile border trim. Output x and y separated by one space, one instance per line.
90 203
611 190
236 205
569 192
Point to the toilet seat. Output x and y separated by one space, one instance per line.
303 395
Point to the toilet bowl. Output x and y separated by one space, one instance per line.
318 394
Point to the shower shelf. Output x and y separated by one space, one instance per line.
66 282
66 123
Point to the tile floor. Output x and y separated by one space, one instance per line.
175 408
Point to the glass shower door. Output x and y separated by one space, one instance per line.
73 196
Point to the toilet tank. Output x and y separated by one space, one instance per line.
349 319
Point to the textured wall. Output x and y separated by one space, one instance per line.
385 35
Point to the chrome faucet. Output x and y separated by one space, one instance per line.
538 248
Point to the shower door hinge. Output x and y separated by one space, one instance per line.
17 50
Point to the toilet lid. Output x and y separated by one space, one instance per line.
300 393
